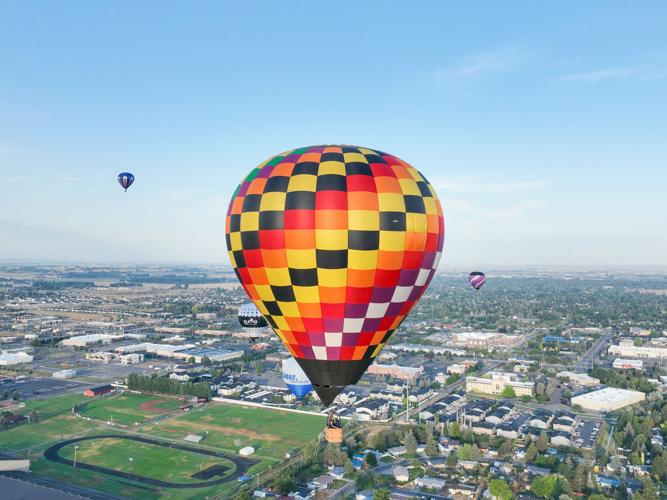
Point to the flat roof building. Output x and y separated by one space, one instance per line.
608 399
495 383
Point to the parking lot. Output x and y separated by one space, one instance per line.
41 387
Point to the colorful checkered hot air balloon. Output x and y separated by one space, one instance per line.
334 245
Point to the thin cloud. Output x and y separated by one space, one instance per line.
477 185
600 75
483 64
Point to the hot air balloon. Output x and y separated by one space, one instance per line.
294 378
334 245
250 318
125 179
477 279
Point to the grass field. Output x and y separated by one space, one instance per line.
128 408
225 428
272 433
157 462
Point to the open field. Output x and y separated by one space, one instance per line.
230 427
150 460
128 408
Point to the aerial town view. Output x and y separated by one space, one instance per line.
458 290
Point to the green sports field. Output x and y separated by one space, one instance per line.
128 408
230 427
225 428
158 462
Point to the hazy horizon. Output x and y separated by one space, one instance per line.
543 132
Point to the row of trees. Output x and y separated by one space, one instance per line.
166 385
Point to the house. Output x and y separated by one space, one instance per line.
561 439
98 391
538 471
499 416
483 428
459 490
347 398
468 464
437 462
401 473
372 409
321 483
337 472
364 495
397 451
541 419
302 494
608 481
431 483
565 422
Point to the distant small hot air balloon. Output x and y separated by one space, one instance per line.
252 320
125 179
477 279
295 379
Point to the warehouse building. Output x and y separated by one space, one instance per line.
608 399
495 383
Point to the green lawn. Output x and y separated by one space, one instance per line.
126 408
157 462
271 432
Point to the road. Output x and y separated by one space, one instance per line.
586 360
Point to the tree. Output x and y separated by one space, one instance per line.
410 443
648 491
455 430
333 455
546 486
431 446
531 452
244 494
500 490
660 466
452 460
349 469
509 392
34 417
16 395
542 442
580 478
371 459
381 495
284 483
505 450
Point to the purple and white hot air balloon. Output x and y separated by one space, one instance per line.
476 279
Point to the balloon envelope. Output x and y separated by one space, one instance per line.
125 179
334 245
477 279
250 317
295 379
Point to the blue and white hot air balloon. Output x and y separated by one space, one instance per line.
295 379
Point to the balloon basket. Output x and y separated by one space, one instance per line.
333 435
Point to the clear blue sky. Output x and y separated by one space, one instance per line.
543 127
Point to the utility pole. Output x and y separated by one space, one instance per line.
76 447
407 402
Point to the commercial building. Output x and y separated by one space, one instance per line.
86 340
408 373
608 399
495 383
628 364
101 357
64 374
98 391
8 358
130 359
183 352
583 379
627 349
